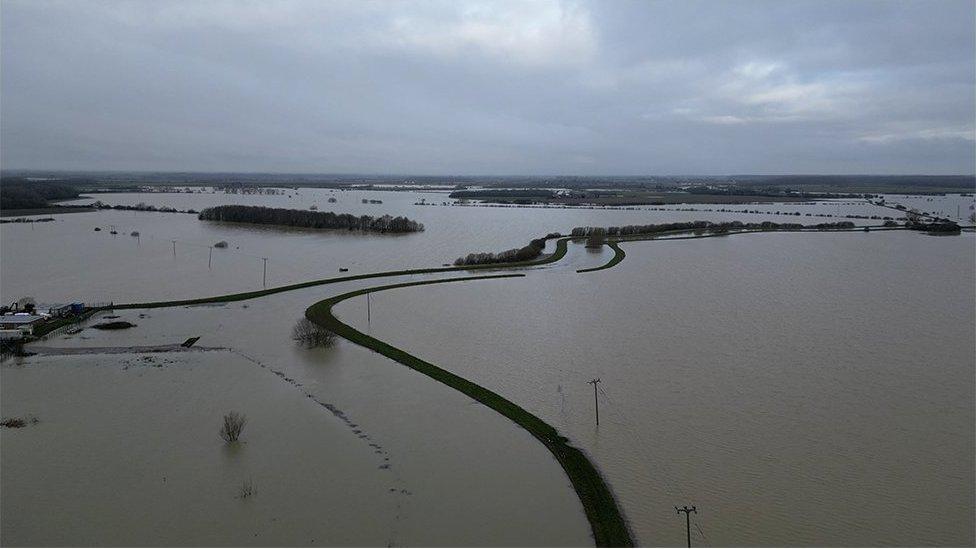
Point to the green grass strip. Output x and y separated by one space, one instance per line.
618 256
606 521
562 246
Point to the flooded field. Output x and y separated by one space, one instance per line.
800 389
342 446
82 264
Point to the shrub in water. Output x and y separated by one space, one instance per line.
230 431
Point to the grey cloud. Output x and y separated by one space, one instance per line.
489 87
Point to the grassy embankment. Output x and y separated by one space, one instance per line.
562 246
606 521
618 256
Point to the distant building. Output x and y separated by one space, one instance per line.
11 335
24 323
63 309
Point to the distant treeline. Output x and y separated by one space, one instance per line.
140 207
504 193
965 183
943 226
526 253
629 230
310 219
930 184
28 220
770 192
19 193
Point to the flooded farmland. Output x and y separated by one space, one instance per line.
800 389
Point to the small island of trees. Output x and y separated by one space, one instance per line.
310 219
526 253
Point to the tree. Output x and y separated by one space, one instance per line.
26 304
310 334
597 238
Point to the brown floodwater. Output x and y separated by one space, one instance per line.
800 389
344 447
79 263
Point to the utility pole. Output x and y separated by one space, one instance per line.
687 511
210 259
367 308
174 248
596 401
264 280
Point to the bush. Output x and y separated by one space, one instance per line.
246 491
117 325
230 431
18 422
311 335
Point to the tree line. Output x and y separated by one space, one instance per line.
18 193
652 228
500 193
140 207
939 226
310 219
525 253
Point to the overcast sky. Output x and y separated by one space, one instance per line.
500 87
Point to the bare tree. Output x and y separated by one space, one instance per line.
311 335
234 422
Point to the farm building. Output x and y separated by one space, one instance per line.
24 323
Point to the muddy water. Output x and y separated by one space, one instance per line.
126 452
78 263
809 389
801 389
416 450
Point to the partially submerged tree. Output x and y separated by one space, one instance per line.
310 334
234 422
597 238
